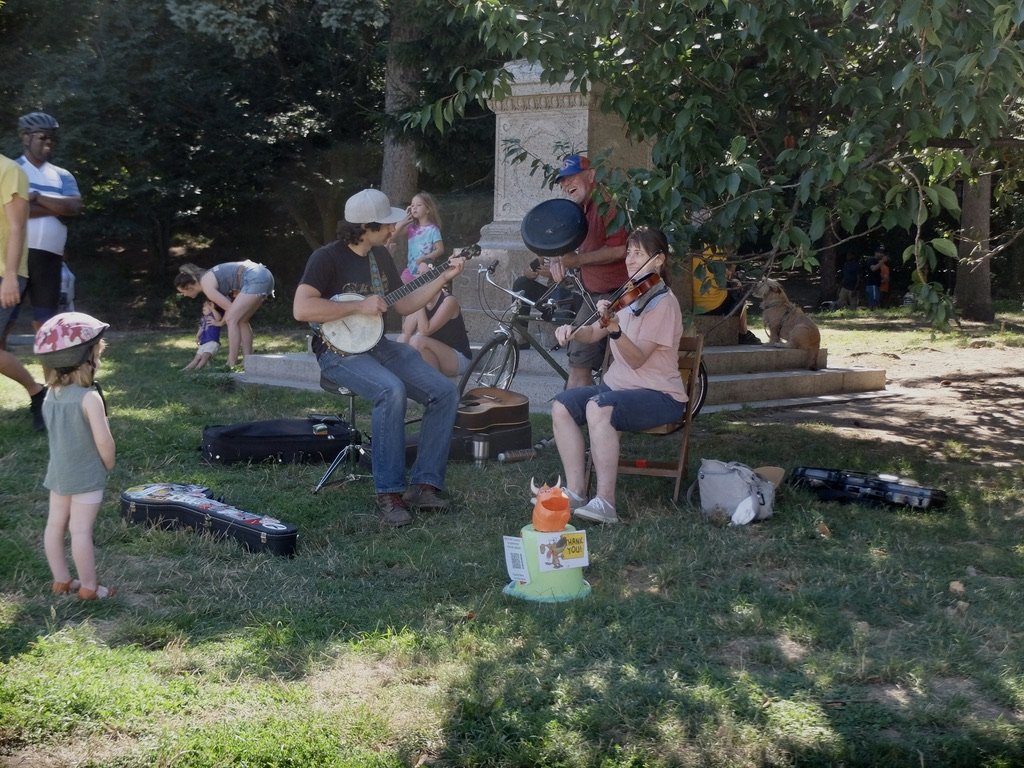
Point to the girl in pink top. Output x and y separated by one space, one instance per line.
641 389
422 228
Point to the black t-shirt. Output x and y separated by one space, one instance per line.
335 268
453 333
851 275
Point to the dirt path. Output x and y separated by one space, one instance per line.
972 396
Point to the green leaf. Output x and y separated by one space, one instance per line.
818 220
737 147
947 199
944 246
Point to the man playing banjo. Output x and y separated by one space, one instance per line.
386 372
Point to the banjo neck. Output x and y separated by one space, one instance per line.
430 275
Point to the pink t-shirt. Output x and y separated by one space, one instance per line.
660 322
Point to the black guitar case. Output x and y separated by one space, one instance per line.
848 486
285 441
169 505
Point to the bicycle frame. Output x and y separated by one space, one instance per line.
511 323
511 318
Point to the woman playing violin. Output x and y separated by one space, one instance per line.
641 388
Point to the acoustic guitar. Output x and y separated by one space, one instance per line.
360 332
487 407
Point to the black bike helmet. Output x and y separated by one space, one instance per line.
37 121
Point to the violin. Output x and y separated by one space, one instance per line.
628 293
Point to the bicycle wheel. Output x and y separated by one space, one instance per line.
701 389
495 365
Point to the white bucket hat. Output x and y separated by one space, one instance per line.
371 206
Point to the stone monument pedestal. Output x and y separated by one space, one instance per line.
548 121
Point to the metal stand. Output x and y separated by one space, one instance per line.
352 453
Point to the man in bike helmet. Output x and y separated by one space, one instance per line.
53 195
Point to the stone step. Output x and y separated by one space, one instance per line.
297 370
538 381
735 359
784 385
743 358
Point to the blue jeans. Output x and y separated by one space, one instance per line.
386 376
874 295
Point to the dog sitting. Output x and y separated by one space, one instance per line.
785 321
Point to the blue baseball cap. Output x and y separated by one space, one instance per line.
572 165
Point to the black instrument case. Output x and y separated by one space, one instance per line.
846 485
286 441
169 505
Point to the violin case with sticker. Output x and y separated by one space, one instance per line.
170 505
285 441
845 485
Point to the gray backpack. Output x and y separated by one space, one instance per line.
733 492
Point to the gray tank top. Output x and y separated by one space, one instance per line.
230 275
75 465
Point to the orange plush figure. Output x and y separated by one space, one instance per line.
551 507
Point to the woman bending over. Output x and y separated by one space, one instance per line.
239 288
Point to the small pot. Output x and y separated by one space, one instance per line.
554 227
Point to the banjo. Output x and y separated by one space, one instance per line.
357 333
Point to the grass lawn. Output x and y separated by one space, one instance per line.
829 635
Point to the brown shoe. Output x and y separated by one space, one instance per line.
425 497
64 587
393 510
100 593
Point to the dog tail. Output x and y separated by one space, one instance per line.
812 359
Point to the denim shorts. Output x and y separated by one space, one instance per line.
633 410
6 313
258 281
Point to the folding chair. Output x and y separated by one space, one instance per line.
690 350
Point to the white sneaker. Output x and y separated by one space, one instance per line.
597 510
575 502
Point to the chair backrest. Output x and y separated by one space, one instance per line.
690 350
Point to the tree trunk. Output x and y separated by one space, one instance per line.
827 259
973 282
399 175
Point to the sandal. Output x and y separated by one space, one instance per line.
64 587
100 593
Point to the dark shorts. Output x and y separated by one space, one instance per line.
7 314
633 410
43 290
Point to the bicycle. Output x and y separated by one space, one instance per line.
497 361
